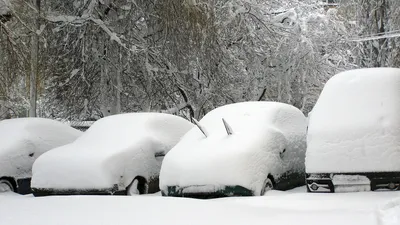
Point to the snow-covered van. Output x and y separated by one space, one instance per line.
119 154
353 141
240 149
22 141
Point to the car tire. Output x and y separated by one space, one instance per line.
6 186
268 185
133 188
137 187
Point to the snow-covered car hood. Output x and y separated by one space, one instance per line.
354 126
113 151
245 157
24 140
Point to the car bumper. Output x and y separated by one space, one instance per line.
52 191
206 191
325 182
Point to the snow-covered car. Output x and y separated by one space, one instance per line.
240 149
119 154
22 141
353 141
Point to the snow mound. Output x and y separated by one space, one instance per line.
261 131
24 140
113 151
354 125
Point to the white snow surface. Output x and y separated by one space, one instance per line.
23 140
354 125
276 207
114 150
261 130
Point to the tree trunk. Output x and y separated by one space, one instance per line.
117 86
34 60
104 103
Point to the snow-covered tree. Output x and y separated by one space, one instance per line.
103 57
377 30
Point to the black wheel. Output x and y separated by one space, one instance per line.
137 187
392 186
268 185
6 186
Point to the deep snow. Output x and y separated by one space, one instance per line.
276 207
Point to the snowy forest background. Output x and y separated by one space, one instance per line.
86 59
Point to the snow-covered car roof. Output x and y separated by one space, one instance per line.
354 125
23 140
113 148
258 129
116 133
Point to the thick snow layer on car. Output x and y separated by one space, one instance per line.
114 150
277 207
25 139
354 126
261 131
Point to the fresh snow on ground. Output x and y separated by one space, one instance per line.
261 131
295 207
354 126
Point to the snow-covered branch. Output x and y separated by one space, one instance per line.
371 38
79 21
